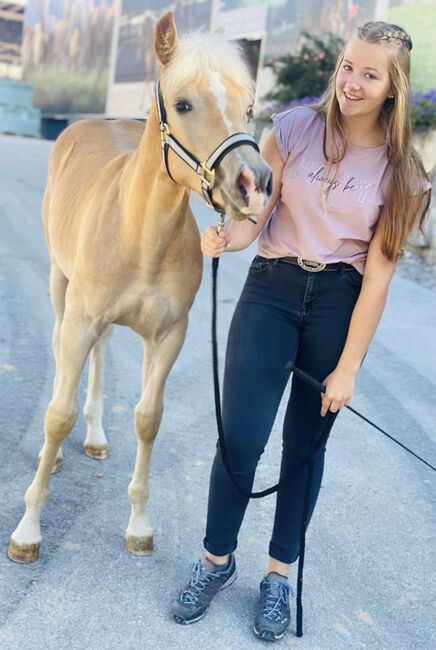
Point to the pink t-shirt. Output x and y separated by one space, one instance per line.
298 224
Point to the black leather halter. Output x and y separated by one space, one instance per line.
206 169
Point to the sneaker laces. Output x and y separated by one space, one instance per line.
200 578
276 594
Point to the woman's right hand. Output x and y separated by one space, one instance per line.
212 243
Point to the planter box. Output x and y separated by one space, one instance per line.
17 114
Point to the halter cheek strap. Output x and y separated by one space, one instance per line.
205 169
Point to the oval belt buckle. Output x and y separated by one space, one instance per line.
308 265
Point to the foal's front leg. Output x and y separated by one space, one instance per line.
159 357
76 338
95 442
58 288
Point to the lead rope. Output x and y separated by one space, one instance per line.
222 444
321 388
317 385
216 385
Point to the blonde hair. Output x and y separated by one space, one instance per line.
400 213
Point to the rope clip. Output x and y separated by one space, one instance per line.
220 224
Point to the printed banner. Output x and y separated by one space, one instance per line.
65 51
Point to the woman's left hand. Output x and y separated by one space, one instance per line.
339 390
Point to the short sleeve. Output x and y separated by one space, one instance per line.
283 129
290 126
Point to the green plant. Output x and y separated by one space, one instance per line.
306 73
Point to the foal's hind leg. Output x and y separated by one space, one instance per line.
76 338
58 287
95 442
158 360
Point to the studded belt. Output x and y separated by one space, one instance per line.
314 267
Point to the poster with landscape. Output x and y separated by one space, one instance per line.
66 51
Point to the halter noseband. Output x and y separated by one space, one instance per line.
206 169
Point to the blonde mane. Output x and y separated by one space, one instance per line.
198 54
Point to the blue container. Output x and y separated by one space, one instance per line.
17 114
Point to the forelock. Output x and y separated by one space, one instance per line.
198 54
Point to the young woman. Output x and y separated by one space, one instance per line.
348 187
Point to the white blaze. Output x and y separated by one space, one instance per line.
217 87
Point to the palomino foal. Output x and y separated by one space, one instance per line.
125 249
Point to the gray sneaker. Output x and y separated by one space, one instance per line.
273 615
194 599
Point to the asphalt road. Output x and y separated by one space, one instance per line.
369 575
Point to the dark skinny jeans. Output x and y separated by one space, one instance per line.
284 313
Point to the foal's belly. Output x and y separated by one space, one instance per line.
152 310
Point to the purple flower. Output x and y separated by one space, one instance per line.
422 108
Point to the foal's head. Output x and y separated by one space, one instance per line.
208 95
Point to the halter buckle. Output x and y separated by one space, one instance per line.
309 265
164 131
207 176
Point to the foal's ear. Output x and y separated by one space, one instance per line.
165 38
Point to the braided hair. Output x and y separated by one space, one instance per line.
388 34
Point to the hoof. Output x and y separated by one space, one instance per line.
57 466
139 545
100 452
24 554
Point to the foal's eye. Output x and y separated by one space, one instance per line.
183 106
